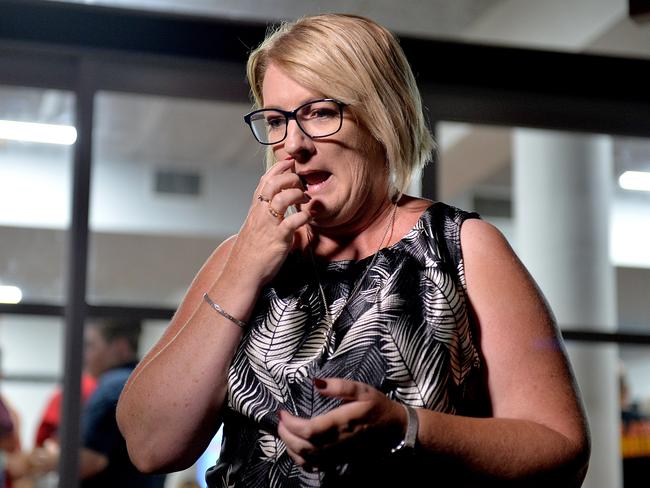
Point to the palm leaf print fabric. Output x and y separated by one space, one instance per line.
406 332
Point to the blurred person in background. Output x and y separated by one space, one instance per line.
635 437
47 431
48 426
110 355
14 462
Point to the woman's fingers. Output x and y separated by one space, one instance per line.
266 237
299 448
292 196
367 423
319 442
271 186
278 168
346 390
280 188
293 222
280 174
324 431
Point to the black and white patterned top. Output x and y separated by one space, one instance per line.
406 332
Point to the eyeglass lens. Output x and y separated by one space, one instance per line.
316 119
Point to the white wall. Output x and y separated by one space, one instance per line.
123 200
35 187
30 346
630 230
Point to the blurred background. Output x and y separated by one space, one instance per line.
124 161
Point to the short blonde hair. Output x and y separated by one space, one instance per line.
359 62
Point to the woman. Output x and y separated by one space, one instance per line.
368 337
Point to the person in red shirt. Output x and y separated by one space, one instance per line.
49 424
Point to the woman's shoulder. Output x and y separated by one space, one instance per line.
434 218
435 232
483 243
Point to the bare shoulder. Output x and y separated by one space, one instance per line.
502 293
491 262
480 237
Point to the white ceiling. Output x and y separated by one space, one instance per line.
599 26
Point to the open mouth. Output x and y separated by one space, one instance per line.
315 180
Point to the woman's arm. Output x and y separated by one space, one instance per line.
171 406
539 426
537 435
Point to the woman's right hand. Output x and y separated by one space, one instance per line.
265 239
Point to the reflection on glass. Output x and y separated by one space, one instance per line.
35 185
172 178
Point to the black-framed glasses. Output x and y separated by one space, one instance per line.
317 118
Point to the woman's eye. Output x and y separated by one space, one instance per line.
317 113
275 122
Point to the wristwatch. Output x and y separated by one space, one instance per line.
408 443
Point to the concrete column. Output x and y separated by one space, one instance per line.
562 193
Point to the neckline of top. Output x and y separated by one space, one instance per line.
413 230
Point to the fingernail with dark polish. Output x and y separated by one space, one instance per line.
318 383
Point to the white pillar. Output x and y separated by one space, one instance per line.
562 193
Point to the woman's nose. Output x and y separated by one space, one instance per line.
297 142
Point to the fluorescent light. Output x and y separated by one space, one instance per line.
10 294
635 180
31 132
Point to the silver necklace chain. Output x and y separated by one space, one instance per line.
360 280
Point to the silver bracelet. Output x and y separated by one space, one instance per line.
223 313
411 436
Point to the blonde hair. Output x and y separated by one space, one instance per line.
359 62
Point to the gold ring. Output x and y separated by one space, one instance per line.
275 213
262 198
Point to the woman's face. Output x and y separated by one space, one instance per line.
345 173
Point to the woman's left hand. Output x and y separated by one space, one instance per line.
367 419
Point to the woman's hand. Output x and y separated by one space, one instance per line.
367 424
266 237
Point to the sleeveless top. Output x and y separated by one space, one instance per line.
406 332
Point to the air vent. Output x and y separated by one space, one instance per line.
173 182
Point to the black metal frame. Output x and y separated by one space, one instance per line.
131 51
